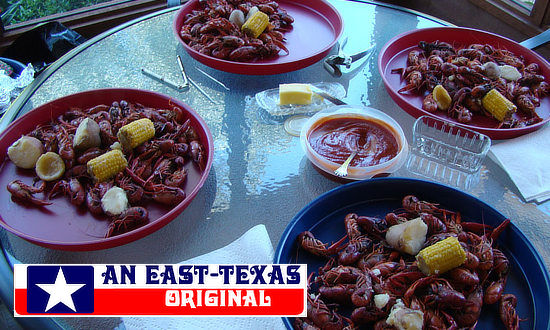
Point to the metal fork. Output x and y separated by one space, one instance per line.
342 171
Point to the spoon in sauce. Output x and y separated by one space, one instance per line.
369 145
342 171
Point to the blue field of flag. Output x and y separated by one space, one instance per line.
60 289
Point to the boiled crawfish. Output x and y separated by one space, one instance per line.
156 170
24 193
73 188
209 31
356 273
473 68
128 220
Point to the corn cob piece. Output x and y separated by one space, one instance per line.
135 133
106 166
499 106
256 24
442 97
441 256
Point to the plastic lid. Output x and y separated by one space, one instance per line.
294 124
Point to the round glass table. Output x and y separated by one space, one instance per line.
260 174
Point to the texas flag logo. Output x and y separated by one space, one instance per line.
163 289
60 289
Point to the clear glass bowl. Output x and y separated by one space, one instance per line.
447 152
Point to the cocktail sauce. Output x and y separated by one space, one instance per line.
336 138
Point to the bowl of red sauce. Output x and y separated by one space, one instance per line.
331 135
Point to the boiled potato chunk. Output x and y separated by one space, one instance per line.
87 135
509 72
408 237
50 166
237 17
114 201
25 152
404 318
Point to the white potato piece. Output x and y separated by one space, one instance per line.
25 152
87 135
116 146
509 72
492 70
404 318
381 300
114 201
251 12
237 17
408 237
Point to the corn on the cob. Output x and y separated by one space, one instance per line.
499 106
135 133
107 165
442 97
441 256
256 24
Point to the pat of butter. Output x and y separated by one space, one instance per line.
294 94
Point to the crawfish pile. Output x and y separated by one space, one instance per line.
155 169
467 74
367 267
209 30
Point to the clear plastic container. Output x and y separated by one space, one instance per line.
449 144
349 111
269 100
447 152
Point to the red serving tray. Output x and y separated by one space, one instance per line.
64 226
394 55
316 28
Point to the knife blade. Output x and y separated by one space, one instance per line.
360 55
332 62
327 96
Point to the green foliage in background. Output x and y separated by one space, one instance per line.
16 11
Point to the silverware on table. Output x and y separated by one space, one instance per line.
203 92
326 96
342 171
214 79
162 79
187 80
183 74
332 63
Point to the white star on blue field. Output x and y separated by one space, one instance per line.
60 291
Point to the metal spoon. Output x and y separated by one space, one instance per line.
342 171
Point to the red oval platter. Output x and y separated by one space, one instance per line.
394 55
316 28
64 226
